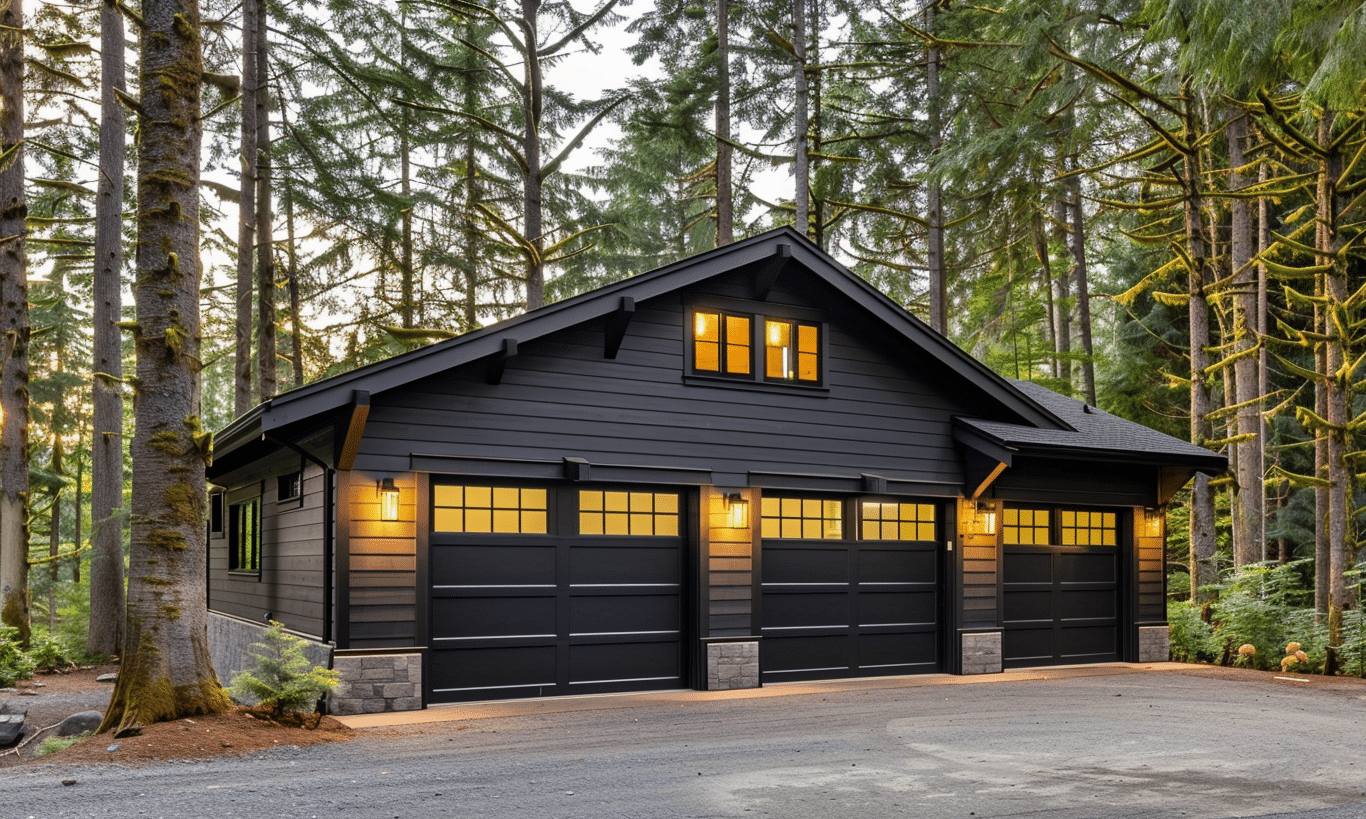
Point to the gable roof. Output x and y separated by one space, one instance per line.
1094 433
330 394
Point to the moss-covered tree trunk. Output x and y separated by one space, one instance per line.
166 671
14 324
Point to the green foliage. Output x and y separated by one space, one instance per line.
1192 639
52 745
15 664
48 653
1266 606
282 678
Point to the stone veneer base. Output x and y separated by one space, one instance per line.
377 683
732 665
1154 644
982 652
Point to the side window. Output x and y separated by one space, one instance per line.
291 486
791 350
721 343
218 513
244 537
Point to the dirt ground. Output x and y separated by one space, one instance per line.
50 698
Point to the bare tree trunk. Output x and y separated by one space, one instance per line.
1202 535
266 333
14 322
801 199
166 670
296 334
246 205
1079 270
407 295
54 534
80 499
471 256
1249 543
813 57
934 209
725 216
1041 251
1062 299
1330 242
532 100
106 439
1263 378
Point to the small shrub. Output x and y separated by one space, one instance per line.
48 654
52 745
15 664
1192 639
281 677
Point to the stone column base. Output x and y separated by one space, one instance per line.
732 665
1154 644
371 685
981 652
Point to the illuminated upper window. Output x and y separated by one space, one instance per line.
898 521
721 343
1027 527
1087 528
804 518
791 351
500 509
725 344
244 545
647 514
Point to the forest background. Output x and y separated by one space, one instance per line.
1155 206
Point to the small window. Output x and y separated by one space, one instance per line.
1028 527
291 486
244 539
791 351
1080 528
648 514
217 513
491 509
802 518
721 343
898 521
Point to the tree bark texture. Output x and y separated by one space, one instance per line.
246 218
408 294
934 208
1263 377
1249 525
106 443
296 337
1062 298
801 198
14 322
166 671
1330 243
1202 534
725 205
532 100
266 332
1080 276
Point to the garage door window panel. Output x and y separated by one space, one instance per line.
802 518
489 509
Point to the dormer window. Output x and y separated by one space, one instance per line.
753 347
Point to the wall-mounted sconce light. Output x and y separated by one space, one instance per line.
737 511
1153 519
986 517
388 500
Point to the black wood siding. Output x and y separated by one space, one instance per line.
1081 483
884 411
290 585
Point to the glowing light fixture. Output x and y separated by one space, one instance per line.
737 511
388 500
986 517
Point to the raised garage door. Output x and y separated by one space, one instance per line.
837 607
1061 602
520 609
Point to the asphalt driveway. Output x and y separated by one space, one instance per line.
1099 741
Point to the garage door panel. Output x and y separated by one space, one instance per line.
1083 641
1086 568
613 564
798 609
784 657
1030 566
805 564
644 661
619 613
488 565
1029 605
485 668
1073 604
492 616
901 606
899 652
895 565
1027 643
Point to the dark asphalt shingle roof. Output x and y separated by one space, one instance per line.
1095 430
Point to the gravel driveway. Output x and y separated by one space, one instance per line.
1110 741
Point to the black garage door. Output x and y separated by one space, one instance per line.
1061 603
849 608
593 608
